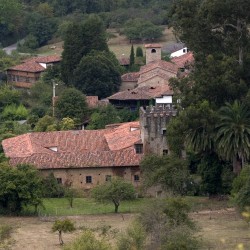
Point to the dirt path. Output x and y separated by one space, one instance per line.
32 233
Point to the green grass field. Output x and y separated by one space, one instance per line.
84 206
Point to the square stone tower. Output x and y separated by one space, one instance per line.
153 121
153 52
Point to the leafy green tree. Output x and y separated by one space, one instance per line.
71 103
51 188
8 96
19 187
67 124
80 39
41 28
63 226
114 191
44 123
233 133
13 112
140 29
103 116
133 238
97 74
170 172
88 241
139 52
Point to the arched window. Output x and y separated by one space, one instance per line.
153 51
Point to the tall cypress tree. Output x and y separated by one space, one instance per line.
132 56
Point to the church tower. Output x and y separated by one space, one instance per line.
153 52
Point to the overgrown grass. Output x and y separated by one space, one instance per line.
81 206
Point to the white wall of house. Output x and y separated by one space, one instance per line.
167 99
179 52
43 65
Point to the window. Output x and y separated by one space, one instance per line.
184 50
88 179
108 178
138 148
153 51
165 152
164 131
136 177
59 180
27 79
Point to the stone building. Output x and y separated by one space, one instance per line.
153 121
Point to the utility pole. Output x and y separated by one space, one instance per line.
53 97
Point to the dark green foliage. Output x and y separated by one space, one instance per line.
139 52
63 226
168 225
233 133
140 29
241 189
80 39
71 103
88 241
8 96
132 56
19 187
171 172
51 188
115 190
46 123
41 28
97 74
210 170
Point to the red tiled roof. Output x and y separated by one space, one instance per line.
83 148
32 64
142 93
168 66
130 77
181 61
29 66
124 61
152 45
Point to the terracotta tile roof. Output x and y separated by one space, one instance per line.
92 101
29 66
130 77
83 148
142 93
32 64
152 45
168 66
124 61
182 61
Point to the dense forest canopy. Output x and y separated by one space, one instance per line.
19 18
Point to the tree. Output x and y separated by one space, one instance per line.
133 238
114 191
170 172
233 133
139 52
132 56
80 39
71 103
140 29
103 116
88 241
63 226
8 96
45 124
67 124
13 112
97 74
19 187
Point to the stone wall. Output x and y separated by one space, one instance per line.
153 122
77 176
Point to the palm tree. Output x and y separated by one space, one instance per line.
233 134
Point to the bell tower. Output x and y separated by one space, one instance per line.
153 52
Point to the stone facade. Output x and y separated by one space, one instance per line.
153 52
87 178
153 122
